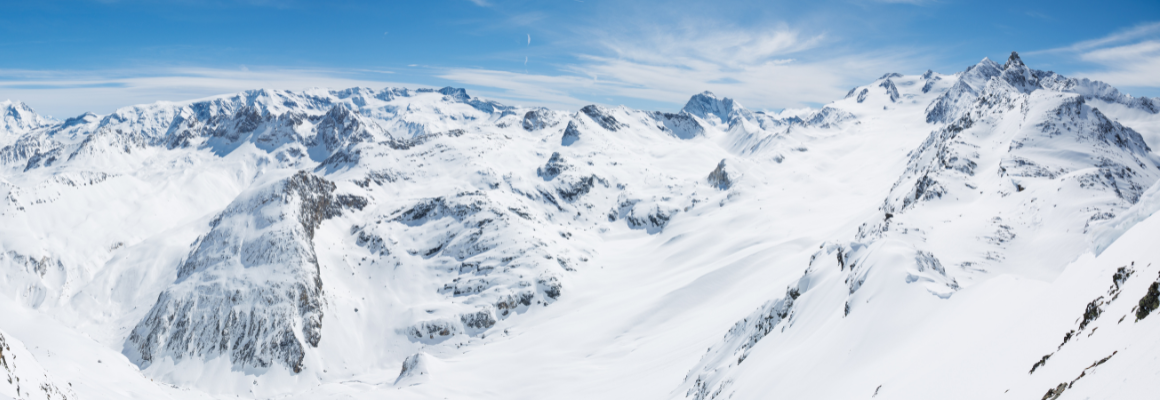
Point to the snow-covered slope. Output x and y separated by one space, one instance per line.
23 377
423 243
1010 187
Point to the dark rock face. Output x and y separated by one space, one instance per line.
719 178
535 120
338 128
28 147
435 330
456 94
651 217
681 125
250 288
926 88
556 164
480 320
571 134
1150 302
891 90
706 104
602 117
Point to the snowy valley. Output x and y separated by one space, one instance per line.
984 234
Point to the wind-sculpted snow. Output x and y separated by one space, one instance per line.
32 279
250 288
602 116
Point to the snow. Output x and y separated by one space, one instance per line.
926 236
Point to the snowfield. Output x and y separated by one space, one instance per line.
986 234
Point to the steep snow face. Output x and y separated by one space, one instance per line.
1108 232
964 92
22 377
250 288
1093 344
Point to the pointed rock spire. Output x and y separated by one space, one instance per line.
1013 61
720 177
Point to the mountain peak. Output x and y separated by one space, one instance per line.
706 95
15 116
986 62
706 103
455 93
1013 61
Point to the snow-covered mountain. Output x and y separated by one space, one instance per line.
988 232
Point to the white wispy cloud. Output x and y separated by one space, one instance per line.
759 68
763 68
1132 65
1126 35
68 93
1127 58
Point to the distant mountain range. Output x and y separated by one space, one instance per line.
986 234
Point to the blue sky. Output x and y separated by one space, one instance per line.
67 57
